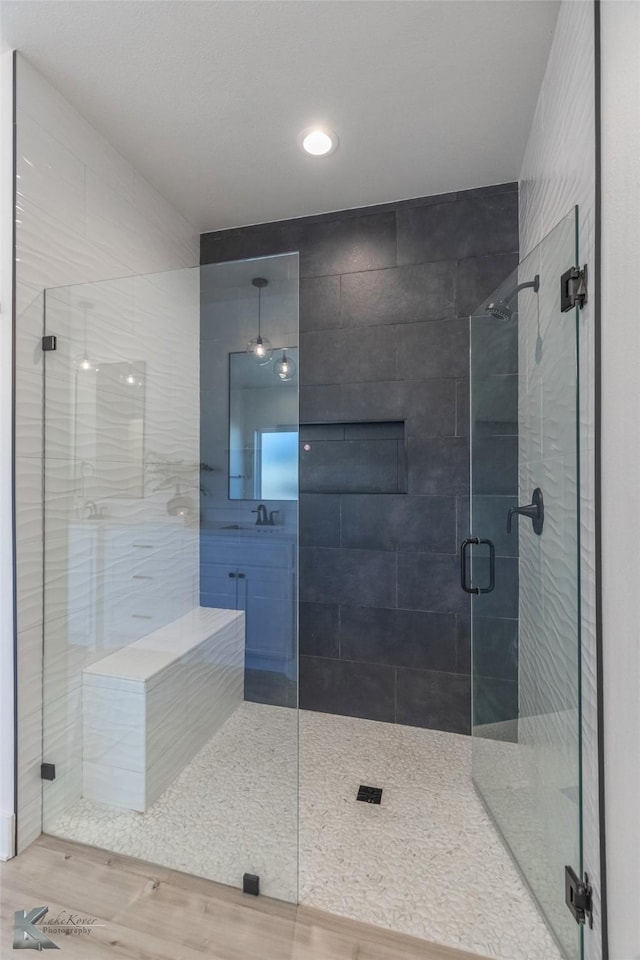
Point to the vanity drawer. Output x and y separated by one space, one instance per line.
135 617
253 552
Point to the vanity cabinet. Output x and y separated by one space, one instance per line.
131 579
260 579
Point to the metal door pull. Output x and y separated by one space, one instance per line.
476 541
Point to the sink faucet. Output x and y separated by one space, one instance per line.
262 519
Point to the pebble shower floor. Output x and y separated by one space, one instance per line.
427 861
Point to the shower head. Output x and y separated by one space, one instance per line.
500 309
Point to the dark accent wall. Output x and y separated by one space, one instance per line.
348 458
385 295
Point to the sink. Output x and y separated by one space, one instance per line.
251 530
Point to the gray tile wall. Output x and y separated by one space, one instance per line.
384 297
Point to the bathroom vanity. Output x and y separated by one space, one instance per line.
131 579
254 570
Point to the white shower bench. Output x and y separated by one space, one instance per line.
148 708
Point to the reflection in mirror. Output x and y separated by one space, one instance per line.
263 429
109 429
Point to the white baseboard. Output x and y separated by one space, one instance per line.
7 836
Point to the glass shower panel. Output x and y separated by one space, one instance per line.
526 626
170 644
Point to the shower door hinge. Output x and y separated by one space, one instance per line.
573 288
47 771
49 343
578 896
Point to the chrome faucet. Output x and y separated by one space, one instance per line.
262 519
92 508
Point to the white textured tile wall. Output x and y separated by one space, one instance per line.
620 363
84 214
7 813
558 172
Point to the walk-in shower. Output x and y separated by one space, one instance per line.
175 462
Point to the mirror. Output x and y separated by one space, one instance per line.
109 429
263 429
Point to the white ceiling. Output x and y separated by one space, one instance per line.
207 98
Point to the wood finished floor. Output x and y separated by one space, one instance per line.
151 913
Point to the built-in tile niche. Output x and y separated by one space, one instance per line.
366 457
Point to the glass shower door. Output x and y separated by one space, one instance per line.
523 569
170 647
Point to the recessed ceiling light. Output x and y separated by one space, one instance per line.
318 142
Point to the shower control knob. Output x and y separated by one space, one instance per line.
534 511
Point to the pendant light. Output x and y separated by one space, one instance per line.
84 363
131 377
285 368
260 348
